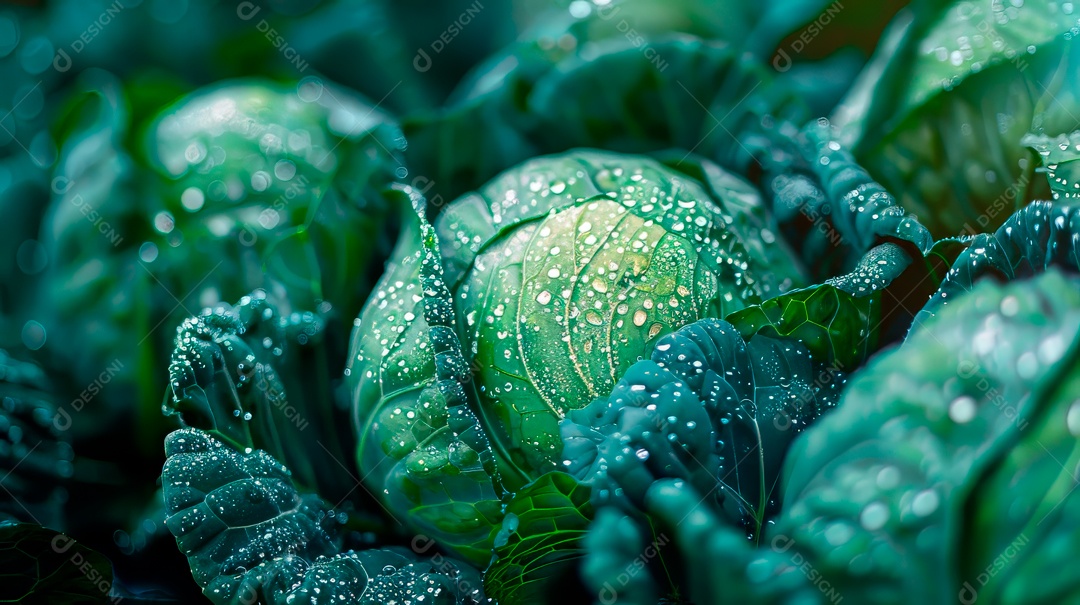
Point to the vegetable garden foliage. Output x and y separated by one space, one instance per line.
497 399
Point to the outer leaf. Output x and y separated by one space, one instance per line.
1035 238
823 198
945 473
827 205
901 493
538 545
837 320
708 408
36 457
512 105
687 554
421 447
680 92
258 379
945 126
849 318
251 537
41 565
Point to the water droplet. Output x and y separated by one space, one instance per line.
874 516
192 199
33 335
1010 306
925 503
1072 419
962 409
148 252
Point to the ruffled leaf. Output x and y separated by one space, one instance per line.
1035 238
709 408
250 536
258 379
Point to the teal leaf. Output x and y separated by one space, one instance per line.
1039 236
589 82
827 205
710 409
686 553
967 420
250 536
677 92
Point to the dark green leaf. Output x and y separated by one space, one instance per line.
41 565
680 92
708 408
687 554
538 546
